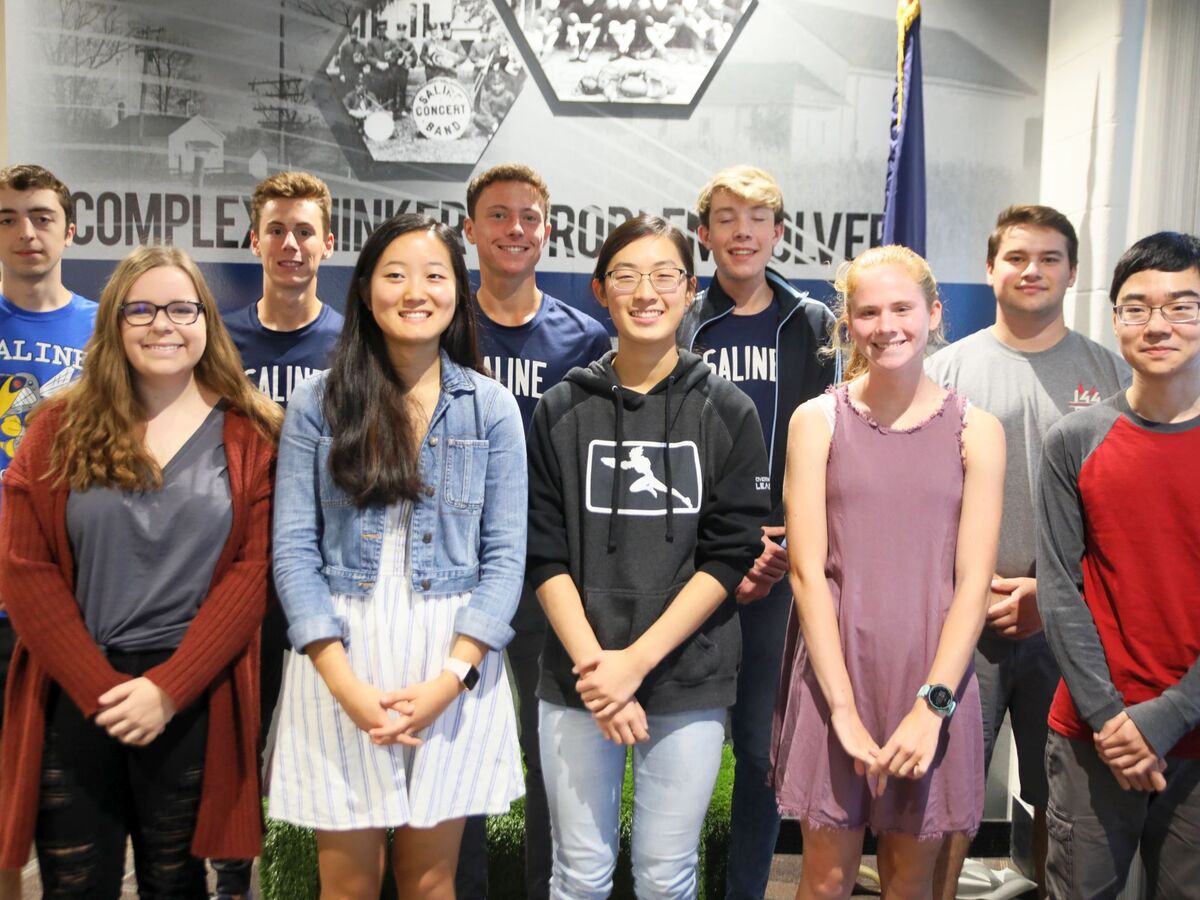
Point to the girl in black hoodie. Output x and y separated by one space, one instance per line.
648 487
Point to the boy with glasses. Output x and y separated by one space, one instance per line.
1028 370
1119 573
529 341
754 329
43 330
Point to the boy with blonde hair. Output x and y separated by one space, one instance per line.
758 331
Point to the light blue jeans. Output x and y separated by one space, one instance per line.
673 773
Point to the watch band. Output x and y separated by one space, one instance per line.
934 695
462 670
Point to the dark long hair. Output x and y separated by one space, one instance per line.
373 457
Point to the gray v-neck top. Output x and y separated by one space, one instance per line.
144 559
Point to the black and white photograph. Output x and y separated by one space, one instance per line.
628 51
426 82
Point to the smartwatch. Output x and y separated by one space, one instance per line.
462 670
939 698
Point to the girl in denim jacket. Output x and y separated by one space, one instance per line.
399 543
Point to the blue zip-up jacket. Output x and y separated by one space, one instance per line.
467 531
804 327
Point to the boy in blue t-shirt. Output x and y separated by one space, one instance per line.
43 330
287 335
284 337
529 341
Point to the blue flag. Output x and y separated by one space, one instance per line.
904 195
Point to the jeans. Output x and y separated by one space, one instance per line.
673 773
96 791
1019 679
754 816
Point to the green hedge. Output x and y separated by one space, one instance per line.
289 858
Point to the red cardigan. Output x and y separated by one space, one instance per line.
217 660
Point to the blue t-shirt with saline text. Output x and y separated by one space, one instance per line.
277 361
531 358
741 349
40 354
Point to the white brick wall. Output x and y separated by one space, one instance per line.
1093 67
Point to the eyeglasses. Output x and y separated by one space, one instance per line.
626 281
1177 312
143 312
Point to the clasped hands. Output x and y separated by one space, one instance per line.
396 717
607 683
1133 762
1012 608
135 712
908 753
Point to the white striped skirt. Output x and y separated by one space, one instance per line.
324 773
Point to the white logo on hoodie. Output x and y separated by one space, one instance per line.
643 473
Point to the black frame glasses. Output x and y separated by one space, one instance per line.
143 312
664 279
1177 312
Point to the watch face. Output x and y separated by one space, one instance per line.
940 696
471 678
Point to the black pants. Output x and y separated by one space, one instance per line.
398 88
97 791
234 875
7 640
523 653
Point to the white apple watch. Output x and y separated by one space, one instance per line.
462 670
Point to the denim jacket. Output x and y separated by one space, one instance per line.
467 531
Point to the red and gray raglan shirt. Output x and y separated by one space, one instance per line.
1119 574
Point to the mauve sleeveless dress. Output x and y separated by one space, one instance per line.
893 500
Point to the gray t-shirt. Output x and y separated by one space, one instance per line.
144 559
1028 393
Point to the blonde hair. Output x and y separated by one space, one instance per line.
846 282
99 442
291 186
748 182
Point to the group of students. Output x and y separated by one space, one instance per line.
753 509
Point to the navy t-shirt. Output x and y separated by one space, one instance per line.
530 359
741 349
277 361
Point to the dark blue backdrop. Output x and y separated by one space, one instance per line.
969 307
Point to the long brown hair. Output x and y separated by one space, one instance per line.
846 283
100 442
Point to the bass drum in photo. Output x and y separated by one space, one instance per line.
379 125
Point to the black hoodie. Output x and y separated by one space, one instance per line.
595 446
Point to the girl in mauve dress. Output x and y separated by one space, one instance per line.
893 494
